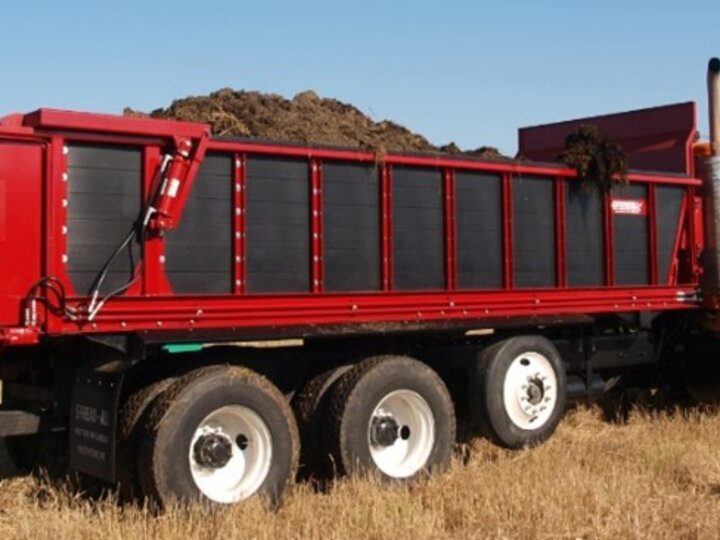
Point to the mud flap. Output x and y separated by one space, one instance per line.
93 422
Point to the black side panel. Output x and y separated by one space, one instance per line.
351 226
278 225
418 241
630 238
533 232
584 235
199 252
668 200
479 230
104 184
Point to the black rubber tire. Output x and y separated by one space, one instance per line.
173 418
310 406
130 433
485 392
355 398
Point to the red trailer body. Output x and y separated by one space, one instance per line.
36 193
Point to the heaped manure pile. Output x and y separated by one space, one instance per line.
306 118
595 157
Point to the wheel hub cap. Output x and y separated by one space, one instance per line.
535 391
214 450
385 431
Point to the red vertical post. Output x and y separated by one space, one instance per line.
240 222
560 230
450 230
608 240
386 226
57 210
56 221
652 235
316 201
507 231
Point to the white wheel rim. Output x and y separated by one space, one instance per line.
411 449
530 390
249 463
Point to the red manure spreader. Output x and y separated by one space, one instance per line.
206 318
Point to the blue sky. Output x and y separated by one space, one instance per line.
461 71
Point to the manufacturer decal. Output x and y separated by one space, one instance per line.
629 207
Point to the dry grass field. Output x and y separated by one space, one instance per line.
657 476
